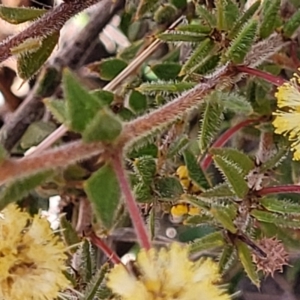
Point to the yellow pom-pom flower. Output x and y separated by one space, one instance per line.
167 274
32 259
287 117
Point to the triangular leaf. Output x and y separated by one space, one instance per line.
103 191
81 105
137 102
58 109
69 234
110 68
166 71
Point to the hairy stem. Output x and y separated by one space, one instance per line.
97 241
50 22
280 189
131 204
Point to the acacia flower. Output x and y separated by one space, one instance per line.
167 274
32 259
287 117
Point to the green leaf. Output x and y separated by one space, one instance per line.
280 206
146 168
197 28
103 191
165 13
168 187
94 284
166 71
233 175
145 6
236 103
138 102
110 68
227 258
177 145
199 56
219 191
105 127
210 122
58 109
87 261
209 241
223 216
194 170
130 52
18 15
142 192
227 12
105 97
277 219
270 16
81 105
165 87
246 260
240 159
243 19
29 63
291 25
206 16
69 234
177 36
36 133
18 189
242 43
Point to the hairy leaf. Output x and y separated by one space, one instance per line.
58 109
109 68
165 87
209 241
206 16
146 168
166 71
103 191
270 16
138 102
69 234
280 206
292 24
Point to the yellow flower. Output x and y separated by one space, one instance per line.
167 274
287 119
31 257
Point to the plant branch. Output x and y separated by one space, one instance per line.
223 139
280 189
134 212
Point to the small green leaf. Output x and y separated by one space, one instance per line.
277 219
138 101
165 87
194 170
227 258
35 133
87 261
206 16
223 217
110 68
105 127
94 284
177 36
105 97
219 191
237 104
227 12
210 122
81 105
146 168
145 6
130 52
209 241
30 45
270 16
198 57
58 109
168 187
246 260
292 24
240 159
142 192
280 206
29 63
103 191
242 43
197 28
16 190
69 234
18 15
165 13
166 71
233 175
243 19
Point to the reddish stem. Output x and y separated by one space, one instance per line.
103 246
132 207
280 189
222 140
261 74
